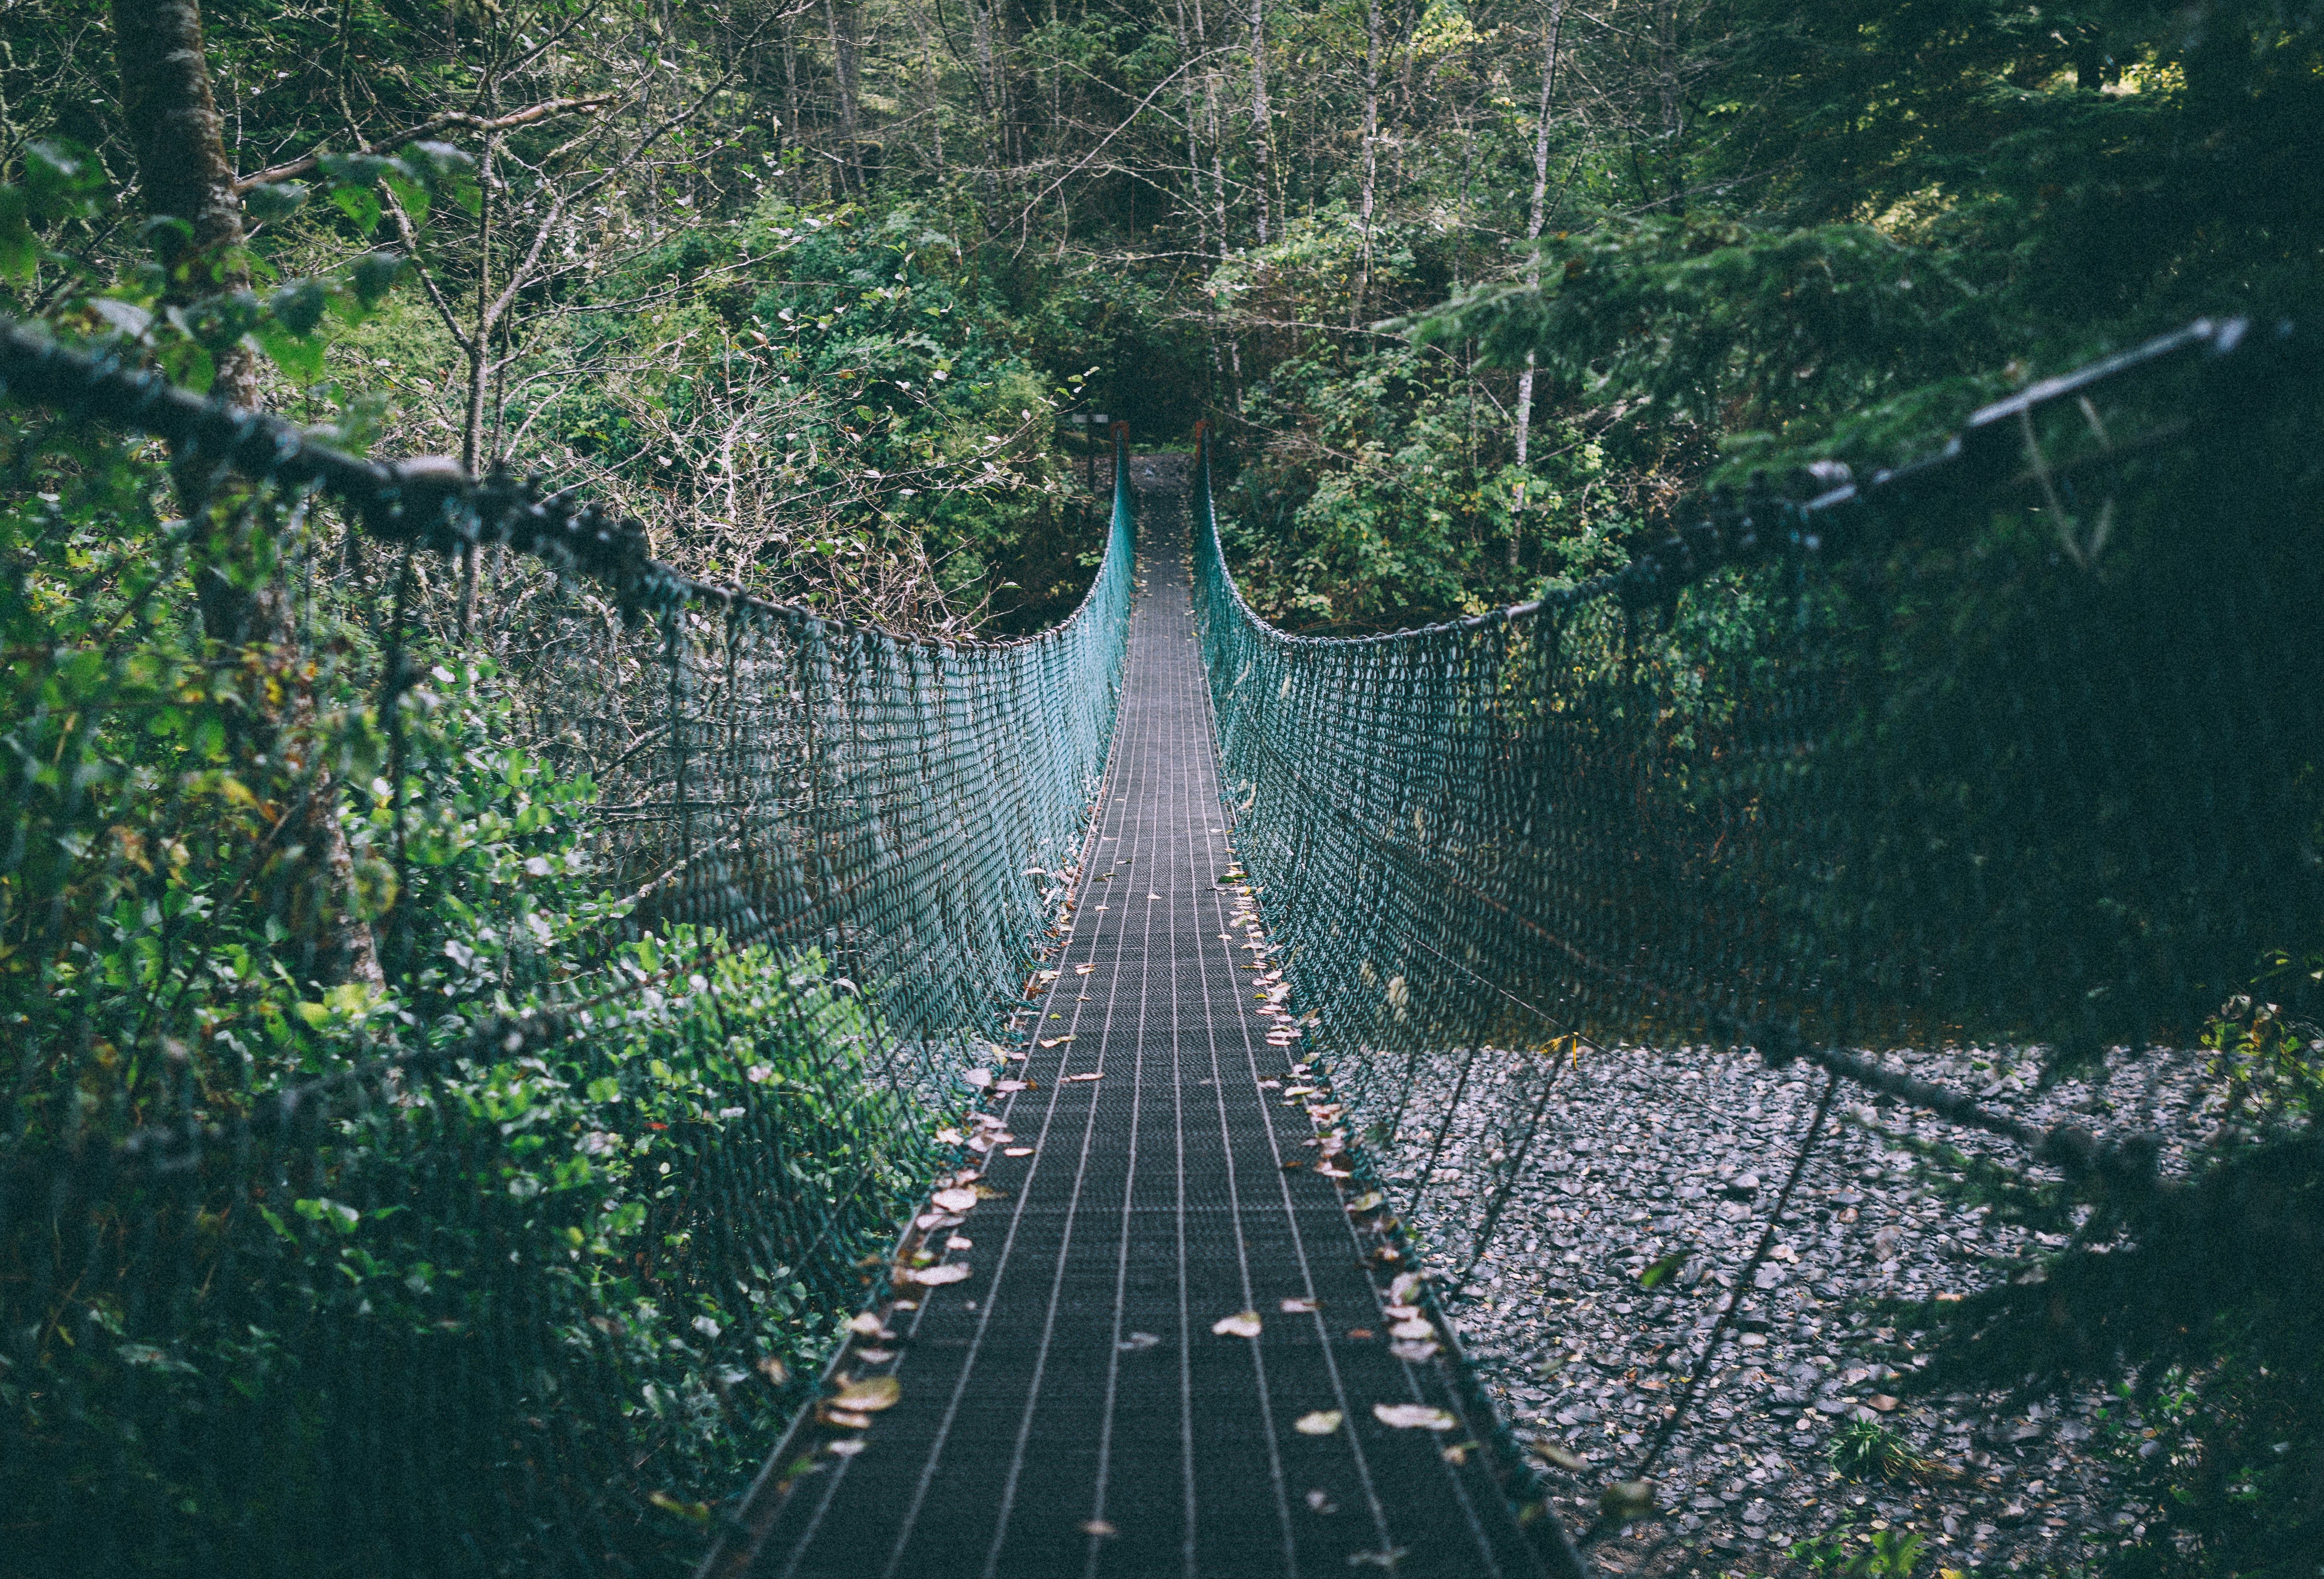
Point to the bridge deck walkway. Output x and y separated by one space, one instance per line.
1067 1408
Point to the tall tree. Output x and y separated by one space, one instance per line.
1534 217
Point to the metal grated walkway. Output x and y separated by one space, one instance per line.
1067 1409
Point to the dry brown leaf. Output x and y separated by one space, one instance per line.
845 1420
1882 1401
1301 1306
1409 1417
1318 1423
1017 1151
936 1277
867 1325
1056 1041
1093 1075
1417 1327
1243 1323
978 1076
868 1396
954 1200
1098 1526
1414 1351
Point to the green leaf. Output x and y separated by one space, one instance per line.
1662 1270
298 357
372 273
64 180
412 194
358 205
271 200
300 307
20 249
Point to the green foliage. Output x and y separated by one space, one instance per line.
532 1261
1866 1450
1867 1554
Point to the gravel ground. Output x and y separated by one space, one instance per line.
1647 1153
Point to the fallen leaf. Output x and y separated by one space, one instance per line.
845 1420
875 1356
1083 970
978 1076
987 1193
846 1447
1413 1350
1006 1085
870 1395
1318 1423
1563 1457
1017 1151
1362 1332
956 1242
1417 1327
1406 1417
1882 1401
1405 1288
774 1370
1056 1041
936 1276
1093 1075
954 1200
867 1325
1098 1526
1627 1500
1366 1202
1663 1268
1459 1452
1402 1312
1135 1342
1305 1306
1243 1323
1153 896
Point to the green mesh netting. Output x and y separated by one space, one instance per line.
469 1035
2019 744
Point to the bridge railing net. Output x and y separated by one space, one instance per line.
479 1003
2016 745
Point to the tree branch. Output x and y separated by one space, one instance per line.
488 125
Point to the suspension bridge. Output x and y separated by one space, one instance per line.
829 1103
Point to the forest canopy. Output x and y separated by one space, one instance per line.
1472 291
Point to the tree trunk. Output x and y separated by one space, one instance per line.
173 120
1261 129
184 174
988 87
1533 262
842 66
1371 158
